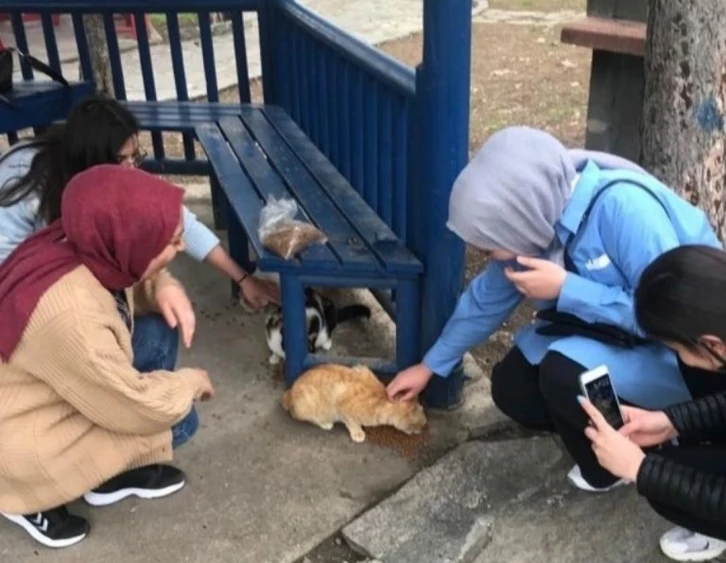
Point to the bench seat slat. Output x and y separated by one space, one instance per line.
265 182
178 116
377 235
244 201
342 238
602 34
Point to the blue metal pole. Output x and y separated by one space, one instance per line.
442 136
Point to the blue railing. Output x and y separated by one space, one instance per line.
139 11
351 99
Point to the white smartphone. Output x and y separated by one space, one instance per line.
598 388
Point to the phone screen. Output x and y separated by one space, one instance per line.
602 395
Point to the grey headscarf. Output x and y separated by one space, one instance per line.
515 189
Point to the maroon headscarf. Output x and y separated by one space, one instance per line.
114 220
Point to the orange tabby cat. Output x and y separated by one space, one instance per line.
330 393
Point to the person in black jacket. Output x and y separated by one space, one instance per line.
681 301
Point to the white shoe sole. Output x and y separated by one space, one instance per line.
577 480
39 537
106 499
706 555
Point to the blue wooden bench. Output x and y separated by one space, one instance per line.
262 153
369 147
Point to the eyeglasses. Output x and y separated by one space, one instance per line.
135 159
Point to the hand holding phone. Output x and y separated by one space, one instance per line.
598 388
614 452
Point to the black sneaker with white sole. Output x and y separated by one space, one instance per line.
148 482
53 528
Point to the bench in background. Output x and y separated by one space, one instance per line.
615 31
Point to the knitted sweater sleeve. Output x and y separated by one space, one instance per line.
86 365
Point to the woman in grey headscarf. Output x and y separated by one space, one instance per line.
571 230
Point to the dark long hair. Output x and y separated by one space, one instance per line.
681 296
94 133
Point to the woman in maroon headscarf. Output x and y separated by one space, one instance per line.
77 418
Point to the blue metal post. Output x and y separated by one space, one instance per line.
442 136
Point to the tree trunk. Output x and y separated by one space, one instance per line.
685 97
96 35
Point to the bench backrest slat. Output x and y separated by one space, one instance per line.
114 56
147 66
322 99
177 56
51 45
240 51
21 41
84 53
399 149
210 69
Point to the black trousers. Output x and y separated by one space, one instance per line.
544 397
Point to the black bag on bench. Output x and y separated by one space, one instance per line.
6 70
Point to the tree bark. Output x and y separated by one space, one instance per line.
96 35
685 97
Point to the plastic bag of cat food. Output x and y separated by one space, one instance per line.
284 235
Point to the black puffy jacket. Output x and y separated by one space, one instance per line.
699 493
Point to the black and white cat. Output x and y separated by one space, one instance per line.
322 317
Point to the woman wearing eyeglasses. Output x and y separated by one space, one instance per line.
99 130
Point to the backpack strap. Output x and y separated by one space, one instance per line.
586 215
563 324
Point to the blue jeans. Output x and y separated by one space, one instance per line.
156 346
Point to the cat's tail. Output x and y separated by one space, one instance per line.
286 401
352 312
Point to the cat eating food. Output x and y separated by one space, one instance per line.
354 396
322 316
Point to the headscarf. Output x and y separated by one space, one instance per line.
114 220
515 189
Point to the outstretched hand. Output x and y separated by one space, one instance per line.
614 451
409 383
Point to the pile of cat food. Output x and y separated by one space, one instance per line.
284 235
408 446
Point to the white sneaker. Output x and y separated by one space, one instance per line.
575 477
683 545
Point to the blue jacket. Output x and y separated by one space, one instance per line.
627 228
